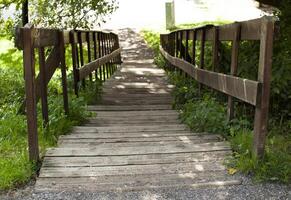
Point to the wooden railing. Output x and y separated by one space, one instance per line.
102 50
175 48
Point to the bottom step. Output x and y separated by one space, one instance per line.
136 182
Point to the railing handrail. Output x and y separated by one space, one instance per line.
254 92
106 51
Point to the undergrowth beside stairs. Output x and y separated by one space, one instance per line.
15 167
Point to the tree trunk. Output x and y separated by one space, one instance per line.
24 12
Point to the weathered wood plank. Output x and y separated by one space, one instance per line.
129 108
30 91
187 138
137 182
204 147
90 67
176 168
134 159
84 135
137 113
167 116
251 30
240 88
264 76
130 129
92 142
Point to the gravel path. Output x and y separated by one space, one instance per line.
247 190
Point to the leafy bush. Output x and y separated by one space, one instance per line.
14 163
205 115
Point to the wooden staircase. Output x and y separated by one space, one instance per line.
136 141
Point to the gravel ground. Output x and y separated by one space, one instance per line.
247 190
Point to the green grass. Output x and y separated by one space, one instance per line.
15 167
208 113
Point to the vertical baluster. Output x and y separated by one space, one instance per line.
233 67
89 51
202 50
43 86
81 54
100 55
194 47
95 52
215 48
74 61
105 71
63 71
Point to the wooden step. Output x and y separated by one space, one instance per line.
100 151
174 168
129 107
132 129
149 113
135 159
137 137
188 180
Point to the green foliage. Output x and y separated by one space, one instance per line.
186 89
205 115
14 164
72 14
276 163
6 28
66 14
152 39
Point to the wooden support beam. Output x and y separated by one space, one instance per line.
80 41
194 48
100 55
264 77
62 58
43 86
233 68
95 52
215 48
30 91
74 61
88 34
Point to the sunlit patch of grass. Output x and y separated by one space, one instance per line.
5 45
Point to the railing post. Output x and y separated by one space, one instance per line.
194 47
117 47
74 60
202 50
233 67
100 55
95 52
89 51
215 48
62 58
264 77
81 54
43 86
30 91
